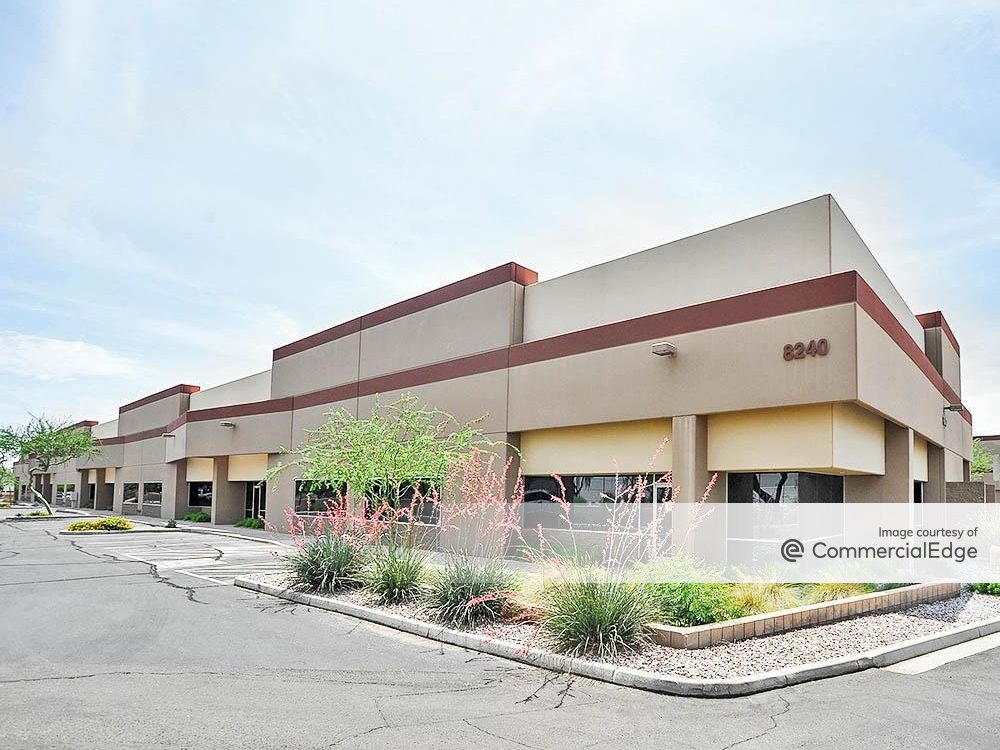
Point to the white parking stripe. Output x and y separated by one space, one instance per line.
216 560
946 655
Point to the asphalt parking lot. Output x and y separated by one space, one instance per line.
141 641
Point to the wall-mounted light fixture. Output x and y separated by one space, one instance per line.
948 408
230 425
664 349
167 434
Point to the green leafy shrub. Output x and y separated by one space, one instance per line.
993 589
39 513
109 523
250 523
693 603
326 563
171 524
686 593
394 573
828 592
465 593
198 516
590 614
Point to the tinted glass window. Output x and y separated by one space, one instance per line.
311 497
200 494
130 492
785 487
152 493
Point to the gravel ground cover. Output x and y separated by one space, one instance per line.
755 655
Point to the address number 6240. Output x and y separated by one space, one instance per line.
799 350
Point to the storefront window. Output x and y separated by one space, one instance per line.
152 493
592 498
313 497
130 492
200 494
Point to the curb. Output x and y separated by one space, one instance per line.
634 678
26 519
91 532
208 530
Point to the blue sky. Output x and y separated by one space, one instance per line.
186 185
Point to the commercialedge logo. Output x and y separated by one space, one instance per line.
792 550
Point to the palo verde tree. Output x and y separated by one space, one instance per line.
400 445
45 445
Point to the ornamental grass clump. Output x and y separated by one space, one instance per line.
198 516
394 573
828 591
466 593
589 613
758 598
327 563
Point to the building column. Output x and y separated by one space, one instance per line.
936 489
689 456
690 478
280 494
105 496
174 499
118 494
47 488
228 498
895 485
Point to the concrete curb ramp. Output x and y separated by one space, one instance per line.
658 683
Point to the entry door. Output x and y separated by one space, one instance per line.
256 499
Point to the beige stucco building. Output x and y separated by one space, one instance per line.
773 351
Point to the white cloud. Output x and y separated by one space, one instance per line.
58 359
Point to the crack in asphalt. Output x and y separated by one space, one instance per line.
100 558
188 590
64 580
496 736
546 681
785 708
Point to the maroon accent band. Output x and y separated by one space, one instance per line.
481 281
798 297
801 296
326 396
316 339
989 438
165 393
881 314
936 319
239 410
474 364
85 423
133 436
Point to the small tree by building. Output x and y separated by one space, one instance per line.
401 445
8 482
44 445
982 459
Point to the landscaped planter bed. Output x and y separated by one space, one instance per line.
773 623
726 669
